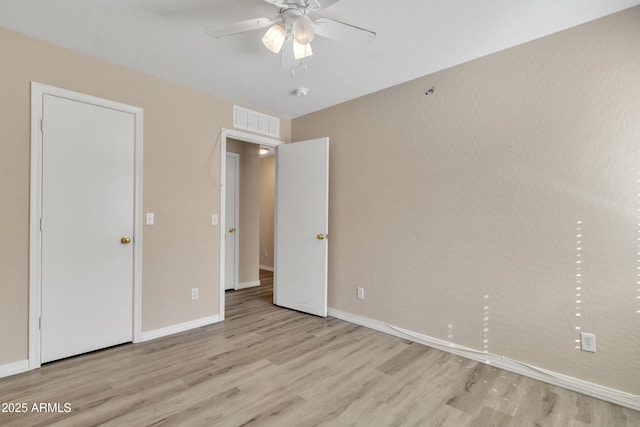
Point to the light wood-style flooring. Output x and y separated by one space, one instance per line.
268 366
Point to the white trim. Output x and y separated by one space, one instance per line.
246 285
249 137
595 390
35 247
14 368
138 226
38 91
236 264
180 327
245 137
267 268
222 222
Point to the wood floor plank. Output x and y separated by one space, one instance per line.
404 360
269 366
491 418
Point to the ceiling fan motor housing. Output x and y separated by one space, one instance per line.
296 4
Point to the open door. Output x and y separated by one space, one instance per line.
302 210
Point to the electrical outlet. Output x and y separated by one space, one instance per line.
360 293
588 342
194 293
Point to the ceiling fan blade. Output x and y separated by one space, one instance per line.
218 31
342 32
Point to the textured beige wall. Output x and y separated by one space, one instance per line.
181 181
458 212
249 215
267 206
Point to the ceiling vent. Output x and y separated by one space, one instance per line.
256 122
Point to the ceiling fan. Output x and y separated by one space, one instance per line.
293 29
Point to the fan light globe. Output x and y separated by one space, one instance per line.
303 30
301 50
274 38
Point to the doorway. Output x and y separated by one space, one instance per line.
248 229
243 211
84 224
301 216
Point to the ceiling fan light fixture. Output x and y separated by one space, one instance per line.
301 50
303 30
274 38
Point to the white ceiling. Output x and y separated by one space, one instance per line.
166 38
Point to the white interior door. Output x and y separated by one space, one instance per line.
87 217
231 216
302 209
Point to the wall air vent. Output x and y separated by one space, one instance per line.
256 122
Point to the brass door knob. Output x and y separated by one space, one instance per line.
125 240
232 230
321 237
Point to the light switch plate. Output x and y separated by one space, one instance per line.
214 219
150 219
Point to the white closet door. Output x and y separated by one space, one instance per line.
87 226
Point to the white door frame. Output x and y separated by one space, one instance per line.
244 137
38 91
236 220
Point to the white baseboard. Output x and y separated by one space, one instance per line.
246 285
14 368
268 268
180 327
595 390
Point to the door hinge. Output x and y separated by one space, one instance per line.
41 224
40 323
42 125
